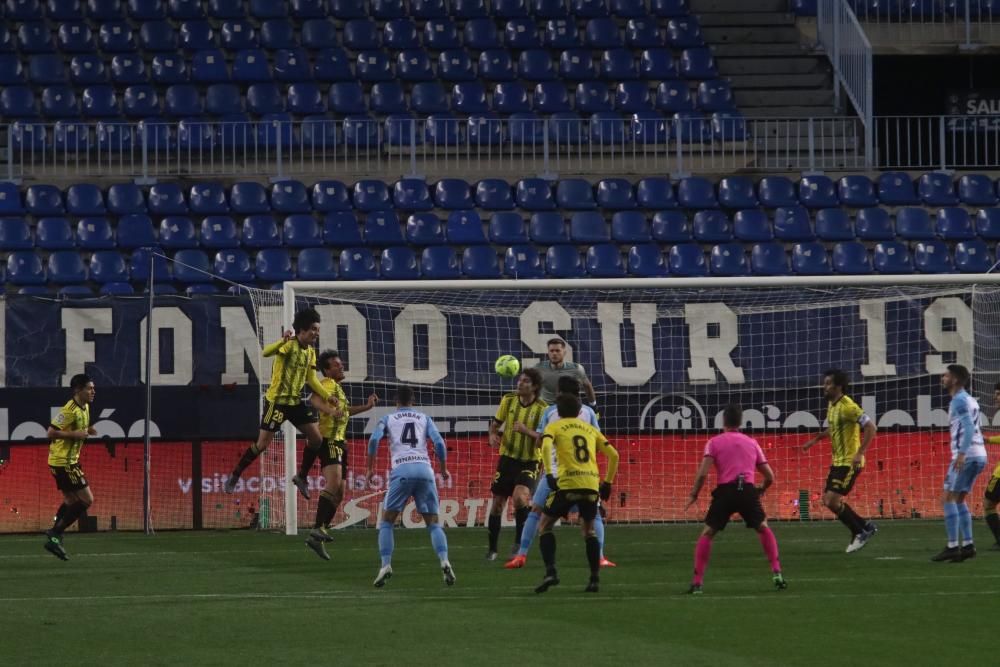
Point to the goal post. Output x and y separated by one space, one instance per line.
665 357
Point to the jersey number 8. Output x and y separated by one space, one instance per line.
580 450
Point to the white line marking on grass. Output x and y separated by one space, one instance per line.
889 558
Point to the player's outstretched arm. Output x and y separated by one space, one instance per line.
813 440
611 453
331 407
440 450
373 448
54 433
276 348
364 407
699 480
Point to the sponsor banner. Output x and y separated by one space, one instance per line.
980 110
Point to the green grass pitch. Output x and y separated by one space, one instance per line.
207 598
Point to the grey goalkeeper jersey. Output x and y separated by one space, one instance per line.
550 377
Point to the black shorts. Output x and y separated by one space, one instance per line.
841 479
729 499
562 501
332 452
513 472
276 414
993 489
69 478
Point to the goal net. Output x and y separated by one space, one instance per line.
665 358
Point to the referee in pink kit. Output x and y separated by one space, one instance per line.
736 456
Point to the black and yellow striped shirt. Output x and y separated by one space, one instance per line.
71 417
294 367
511 411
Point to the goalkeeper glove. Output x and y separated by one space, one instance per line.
605 491
553 483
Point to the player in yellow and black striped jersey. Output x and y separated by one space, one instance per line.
518 414
67 433
992 496
569 454
294 367
851 431
332 454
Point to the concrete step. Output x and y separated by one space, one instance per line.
780 97
746 19
781 81
788 65
752 35
773 50
796 129
701 7
788 111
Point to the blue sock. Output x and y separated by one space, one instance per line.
438 540
599 531
386 542
965 523
951 522
528 533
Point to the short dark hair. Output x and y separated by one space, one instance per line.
535 376
568 384
79 382
732 416
304 319
568 405
325 357
556 341
961 373
404 395
839 378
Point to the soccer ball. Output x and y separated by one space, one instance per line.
507 366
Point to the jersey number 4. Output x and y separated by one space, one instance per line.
409 436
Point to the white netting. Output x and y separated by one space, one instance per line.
664 363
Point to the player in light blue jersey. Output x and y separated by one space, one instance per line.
968 458
412 476
567 385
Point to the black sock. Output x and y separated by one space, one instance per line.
860 524
61 512
249 456
69 517
547 545
520 516
494 527
850 519
594 556
993 521
309 456
325 511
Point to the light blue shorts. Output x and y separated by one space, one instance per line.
412 481
961 481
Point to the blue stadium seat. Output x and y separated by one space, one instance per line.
728 259
608 130
185 9
576 65
791 223
604 260
414 65
261 231
712 227
10 199
305 98
428 97
126 198
116 37
429 9
914 224
248 198
988 224
643 33
316 264
347 98
510 8
15 234
274 265
208 199
618 65
332 65
857 191
74 291
494 194
567 129
387 9
690 127
158 37
87 69
455 65
650 127
520 34
361 132
737 192
371 195
481 34
34 37
671 227
630 227
507 228
465 227
592 97
768 259
932 257
290 197
810 259
50 234
209 66
548 228
976 190
534 194
896 189
549 9
937 189
197 35
250 65
633 96
697 64
277 34
892 257
59 102
851 258
341 229
775 191
954 224
412 194
182 100
233 264
95 233
84 199
399 263
167 199
646 261
564 261
300 231
655 193
588 227
357 264
715 95
141 101
973 257
135 230
24 267
441 34
18 102
817 192
219 231
156 133
833 224
100 102
192 267
348 9
874 224
657 65
108 266
523 261
292 65
424 229
226 9
319 131
696 192
752 225
40 200
238 36
684 33
561 33
510 97
11 70
266 9
177 232
536 65
668 8
602 33
22 10
359 35
615 194
480 262
29 137
728 126
440 263
400 34
687 260
46 69
169 68
330 195
373 66
382 229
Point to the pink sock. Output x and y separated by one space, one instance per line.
770 545
702 551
